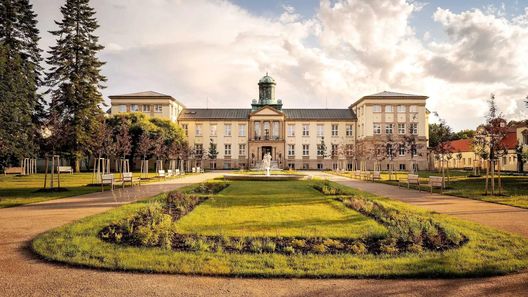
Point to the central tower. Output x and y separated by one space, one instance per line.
266 94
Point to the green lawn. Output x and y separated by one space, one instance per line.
487 252
515 188
253 208
18 190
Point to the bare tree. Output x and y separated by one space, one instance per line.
443 149
143 149
123 143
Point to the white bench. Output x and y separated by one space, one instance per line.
194 170
412 179
161 173
436 182
169 173
62 169
376 175
198 170
129 178
13 170
365 175
357 174
177 172
107 179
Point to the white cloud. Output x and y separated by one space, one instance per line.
198 49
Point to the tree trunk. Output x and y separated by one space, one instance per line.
492 177
487 175
499 178
46 173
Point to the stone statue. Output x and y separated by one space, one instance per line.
266 162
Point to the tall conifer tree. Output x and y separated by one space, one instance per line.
21 106
75 77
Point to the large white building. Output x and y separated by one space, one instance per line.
375 131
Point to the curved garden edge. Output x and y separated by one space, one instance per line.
489 252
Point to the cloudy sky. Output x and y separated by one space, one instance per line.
321 53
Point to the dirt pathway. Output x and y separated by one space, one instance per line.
23 274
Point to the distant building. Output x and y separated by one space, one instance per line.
306 138
463 155
150 103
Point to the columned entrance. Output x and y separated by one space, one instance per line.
265 150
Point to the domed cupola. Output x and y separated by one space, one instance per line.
267 93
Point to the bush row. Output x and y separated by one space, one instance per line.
209 188
407 231
327 188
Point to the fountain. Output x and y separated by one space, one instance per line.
266 165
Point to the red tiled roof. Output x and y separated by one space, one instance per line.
510 141
461 145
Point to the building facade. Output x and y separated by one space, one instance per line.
338 139
150 103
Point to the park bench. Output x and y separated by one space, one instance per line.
13 170
107 179
194 170
376 175
169 173
357 174
161 173
64 169
199 170
365 175
128 177
412 179
436 182
177 172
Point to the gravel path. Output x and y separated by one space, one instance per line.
23 274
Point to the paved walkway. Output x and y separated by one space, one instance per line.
503 217
23 274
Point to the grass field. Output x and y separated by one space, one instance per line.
276 209
487 252
515 188
18 190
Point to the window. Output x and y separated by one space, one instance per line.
306 130
257 130
320 130
348 130
376 108
414 128
377 128
388 108
241 130
306 149
320 150
134 107
158 108
334 166
242 149
413 150
334 129
401 128
146 108
291 130
402 150
227 165
198 149
291 150
122 108
227 129
401 108
266 130
525 137
306 166
213 130
275 130
402 167
413 108
334 149
320 166
291 165
388 128
198 130
185 128
227 149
